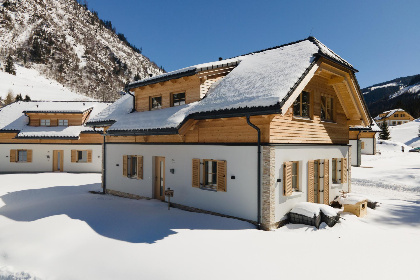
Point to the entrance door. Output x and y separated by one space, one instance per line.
58 156
159 178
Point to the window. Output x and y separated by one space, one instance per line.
301 106
327 108
133 166
318 181
178 99
336 170
20 155
63 122
155 103
81 156
45 122
213 175
290 177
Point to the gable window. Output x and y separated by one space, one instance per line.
327 108
155 103
81 156
396 115
301 106
213 175
133 166
178 99
290 177
63 122
45 122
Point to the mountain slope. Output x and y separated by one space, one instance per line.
64 41
402 93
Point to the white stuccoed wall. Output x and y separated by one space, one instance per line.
41 163
240 200
303 154
353 144
369 148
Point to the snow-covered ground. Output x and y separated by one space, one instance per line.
30 82
51 227
406 133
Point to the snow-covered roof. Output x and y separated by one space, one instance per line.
60 107
13 118
388 113
262 79
114 111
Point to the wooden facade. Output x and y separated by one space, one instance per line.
85 138
74 119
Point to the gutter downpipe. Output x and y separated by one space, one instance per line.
103 161
258 169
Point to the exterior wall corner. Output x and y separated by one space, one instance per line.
268 189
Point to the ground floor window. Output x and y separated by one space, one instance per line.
133 166
336 170
21 155
211 176
291 177
81 156
318 181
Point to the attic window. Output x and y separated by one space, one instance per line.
155 103
327 108
63 122
178 99
301 106
45 122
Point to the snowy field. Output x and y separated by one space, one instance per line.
38 87
51 227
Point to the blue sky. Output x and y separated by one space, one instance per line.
380 38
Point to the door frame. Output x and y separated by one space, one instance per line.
158 171
55 160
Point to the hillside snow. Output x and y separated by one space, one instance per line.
406 133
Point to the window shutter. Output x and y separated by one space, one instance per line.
311 181
139 167
326 181
125 166
196 173
221 175
89 155
344 170
28 155
73 155
363 145
13 157
287 179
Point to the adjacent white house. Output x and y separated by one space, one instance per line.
246 137
362 141
394 117
50 136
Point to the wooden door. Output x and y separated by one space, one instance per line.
58 156
159 192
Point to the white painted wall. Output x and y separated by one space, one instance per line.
240 200
303 154
369 146
353 144
42 158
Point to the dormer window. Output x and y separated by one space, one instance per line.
155 103
63 122
178 99
45 122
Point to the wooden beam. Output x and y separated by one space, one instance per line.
174 81
335 80
354 122
187 126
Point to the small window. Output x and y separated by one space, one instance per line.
132 166
290 177
210 173
212 176
301 106
336 170
45 122
81 156
178 99
63 122
155 103
22 156
327 108
295 174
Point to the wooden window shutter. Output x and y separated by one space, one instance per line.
28 155
13 157
139 167
287 179
363 145
344 170
73 155
196 173
326 181
125 166
89 155
311 181
221 175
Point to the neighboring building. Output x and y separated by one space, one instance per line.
362 141
50 136
246 137
394 117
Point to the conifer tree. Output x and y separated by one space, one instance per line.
10 66
18 97
9 98
27 98
384 134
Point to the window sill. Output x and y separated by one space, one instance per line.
295 194
336 185
208 188
331 122
298 118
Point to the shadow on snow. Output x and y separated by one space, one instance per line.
135 221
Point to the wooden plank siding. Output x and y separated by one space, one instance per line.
353 135
85 138
74 119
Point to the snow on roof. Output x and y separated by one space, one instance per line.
12 117
60 107
328 52
375 127
388 113
114 111
310 210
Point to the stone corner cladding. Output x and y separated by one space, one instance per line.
268 189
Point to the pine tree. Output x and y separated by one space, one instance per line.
18 97
9 98
10 66
384 134
27 98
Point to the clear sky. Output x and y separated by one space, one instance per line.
381 38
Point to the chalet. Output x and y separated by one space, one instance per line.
362 141
246 137
50 136
394 117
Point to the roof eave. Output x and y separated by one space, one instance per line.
158 79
